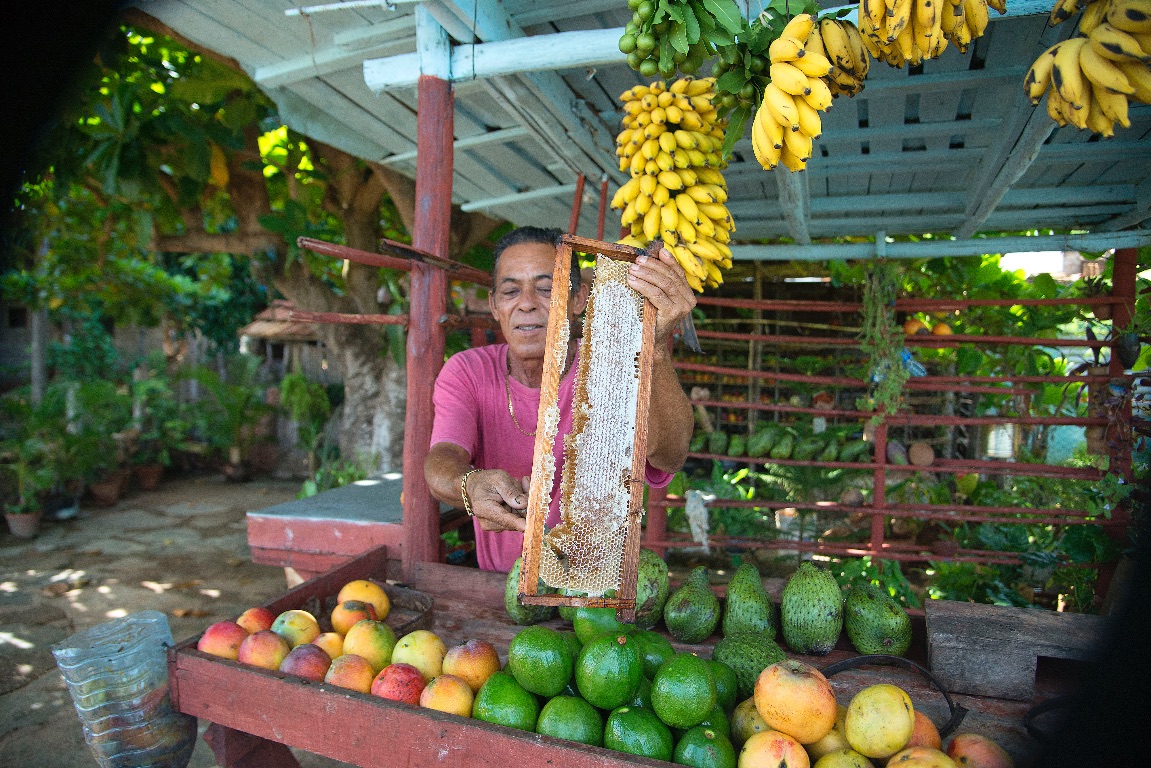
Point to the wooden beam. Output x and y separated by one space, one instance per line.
429 287
387 38
540 53
499 136
518 197
934 248
794 202
1138 214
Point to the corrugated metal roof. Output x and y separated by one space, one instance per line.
951 147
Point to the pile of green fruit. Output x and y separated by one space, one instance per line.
779 442
666 36
625 687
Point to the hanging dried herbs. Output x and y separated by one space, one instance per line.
881 340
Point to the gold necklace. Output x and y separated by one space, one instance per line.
508 387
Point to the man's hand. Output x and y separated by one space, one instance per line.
498 501
661 281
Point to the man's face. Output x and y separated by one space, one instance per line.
521 297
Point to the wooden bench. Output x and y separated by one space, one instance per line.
313 535
992 650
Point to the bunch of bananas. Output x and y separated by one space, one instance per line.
1091 78
787 120
910 31
670 144
841 42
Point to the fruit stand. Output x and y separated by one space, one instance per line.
254 712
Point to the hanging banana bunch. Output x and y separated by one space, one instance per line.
1091 78
811 62
671 145
843 44
911 31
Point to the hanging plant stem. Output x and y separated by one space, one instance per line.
881 339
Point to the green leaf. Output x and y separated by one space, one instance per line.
704 19
1044 286
726 12
735 125
675 13
666 59
692 25
968 360
731 81
679 38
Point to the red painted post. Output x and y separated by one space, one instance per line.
602 209
577 203
429 290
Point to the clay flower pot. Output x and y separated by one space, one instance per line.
105 493
148 476
23 525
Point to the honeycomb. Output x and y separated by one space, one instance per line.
584 552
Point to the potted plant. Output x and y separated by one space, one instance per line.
102 438
161 429
26 459
308 406
233 406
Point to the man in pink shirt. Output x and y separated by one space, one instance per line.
486 399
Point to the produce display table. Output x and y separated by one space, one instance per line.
318 533
255 712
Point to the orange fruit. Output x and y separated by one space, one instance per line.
941 329
374 640
331 642
346 614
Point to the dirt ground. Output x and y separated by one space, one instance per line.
181 550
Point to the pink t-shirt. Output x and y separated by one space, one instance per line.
471 411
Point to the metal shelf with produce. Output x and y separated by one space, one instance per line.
954 415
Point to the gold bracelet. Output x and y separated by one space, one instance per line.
464 492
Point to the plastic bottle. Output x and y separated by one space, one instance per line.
117 675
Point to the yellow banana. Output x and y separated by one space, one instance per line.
1093 15
785 49
650 149
1039 76
699 87
1102 72
717 193
695 157
670 237
688 176
789 79
799 27
624 194
809 122
642 204
782 106
665 161
679 86
687 207
812 63
714 211
820 96
685 139
704 227
701 104
976 13
792 161
798 143
898 19
701 194
837 46
659 116
691 121
1062 11
661 194
686 230
653 130
1099 123
875 13
667 142
1130 15
674 114
651 223
705 249
637 164
1139 76
649 102
630 214
1055 107
670 179
1067 77
711 176
1114 105
651 167
1113 43
766 153
665 98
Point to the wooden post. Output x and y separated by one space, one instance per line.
428 286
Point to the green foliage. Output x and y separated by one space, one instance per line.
887 574
332 473
234 403
881 340
307 404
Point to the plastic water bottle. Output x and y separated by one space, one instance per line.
117 675
913 366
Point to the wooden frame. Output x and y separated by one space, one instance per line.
539 496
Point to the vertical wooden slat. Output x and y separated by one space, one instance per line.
539 492
428 298
602 210
577 203
879 492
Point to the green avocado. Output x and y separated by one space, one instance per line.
875 622
525 614
811 611
692 612
748 608
651 590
